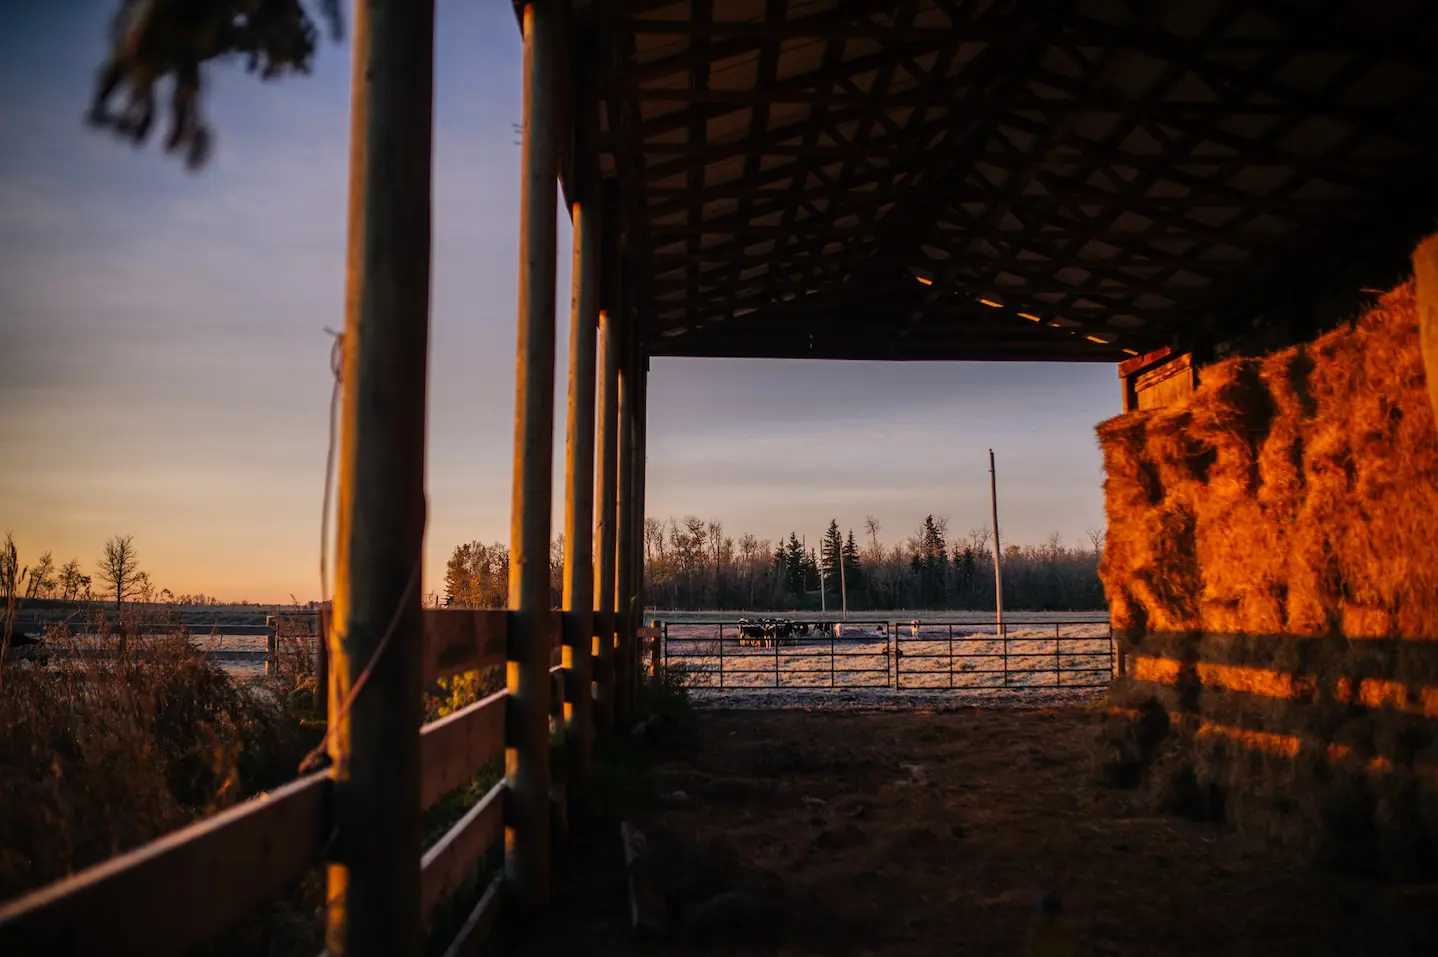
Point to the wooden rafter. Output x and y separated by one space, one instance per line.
875 168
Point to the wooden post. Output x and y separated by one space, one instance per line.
526 730
641 407
998 552
1425 281
579 465
373 871
624 528
322 665
606 478
271 644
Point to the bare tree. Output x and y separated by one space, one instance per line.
1095 536
872 527
73 582
119 569
42 578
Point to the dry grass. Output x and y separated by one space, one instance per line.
129 736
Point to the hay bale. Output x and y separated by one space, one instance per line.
1130 734
1292 498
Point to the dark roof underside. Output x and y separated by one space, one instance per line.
1002 180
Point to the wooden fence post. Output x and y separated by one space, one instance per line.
271 644
322 664
374 864
579 467
526 731
625 622
641 376
607 467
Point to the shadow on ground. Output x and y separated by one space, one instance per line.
796 833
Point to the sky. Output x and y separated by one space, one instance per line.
164 360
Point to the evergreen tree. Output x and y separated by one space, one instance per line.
811 572
830 552
930 562
794 562
853 570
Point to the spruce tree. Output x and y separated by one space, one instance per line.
795 560
831 549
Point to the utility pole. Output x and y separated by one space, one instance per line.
843 590
998 552
823 591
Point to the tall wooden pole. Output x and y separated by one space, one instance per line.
998 551
641 427
373 897
606 480
624 527
579 464
526 730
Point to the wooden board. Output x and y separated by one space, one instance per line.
181 890
455 856
480 922
454 748
463 639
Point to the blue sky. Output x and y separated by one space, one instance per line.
164 367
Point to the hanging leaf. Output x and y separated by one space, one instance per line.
151 40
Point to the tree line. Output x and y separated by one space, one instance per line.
692 564
117 578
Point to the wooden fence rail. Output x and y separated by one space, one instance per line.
189 886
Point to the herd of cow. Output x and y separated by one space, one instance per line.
772 632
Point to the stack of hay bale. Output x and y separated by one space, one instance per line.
1272 573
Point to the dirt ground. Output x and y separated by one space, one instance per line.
913 833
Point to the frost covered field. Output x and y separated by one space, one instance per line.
878 661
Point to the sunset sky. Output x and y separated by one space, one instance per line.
164 366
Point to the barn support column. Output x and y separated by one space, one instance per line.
373 893
641 407
624 527
526 729
606 477
579 465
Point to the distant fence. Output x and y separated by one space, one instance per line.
896 655
275 636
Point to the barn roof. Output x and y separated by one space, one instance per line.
1002 179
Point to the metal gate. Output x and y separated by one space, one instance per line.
1020 655
767 654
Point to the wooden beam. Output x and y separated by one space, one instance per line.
182 890
1018 103
1078 32
641 415
373 876
624 530
463 639
526 842
454 748
579 479
606 479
